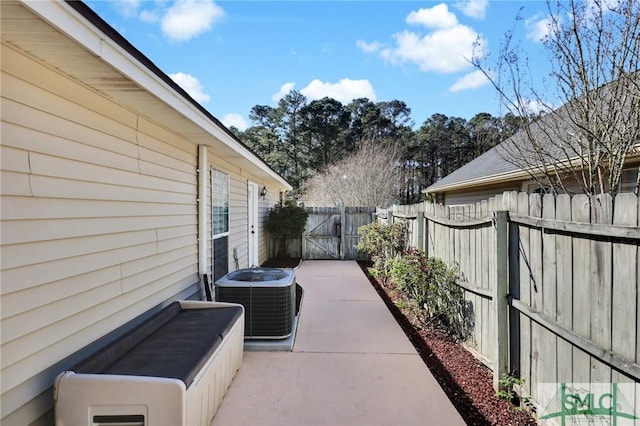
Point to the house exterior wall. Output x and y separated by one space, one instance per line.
238 222
99 224
474 195
272 198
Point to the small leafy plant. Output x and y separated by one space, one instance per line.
507 393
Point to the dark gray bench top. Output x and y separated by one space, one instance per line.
173 343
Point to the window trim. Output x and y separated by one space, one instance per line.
225 234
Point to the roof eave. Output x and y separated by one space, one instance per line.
85 27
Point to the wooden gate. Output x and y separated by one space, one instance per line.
332 232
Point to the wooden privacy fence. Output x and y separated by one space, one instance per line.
330 233
551 283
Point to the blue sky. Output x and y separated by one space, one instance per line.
233 55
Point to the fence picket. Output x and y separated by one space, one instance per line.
549 294
624 290
601 212
478 255
525 293
538 334
564 294
580 212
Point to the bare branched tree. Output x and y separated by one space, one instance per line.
593 47
369 177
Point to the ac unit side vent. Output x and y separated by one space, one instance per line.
119 420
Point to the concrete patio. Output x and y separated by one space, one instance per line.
351 364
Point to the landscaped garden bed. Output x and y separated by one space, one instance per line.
465 380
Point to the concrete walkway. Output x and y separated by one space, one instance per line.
351 364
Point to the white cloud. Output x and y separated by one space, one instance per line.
473 8
473 80
235 120
149 16
284 89
369 47
186 19
127 8
180 20
446 47
434 17
191 85
344 91
538 27
531 107
448 50
534 106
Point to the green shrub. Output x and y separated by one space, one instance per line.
382 243
410 272
431 286
445 299
286 220
429 283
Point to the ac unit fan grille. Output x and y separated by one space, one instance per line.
269 311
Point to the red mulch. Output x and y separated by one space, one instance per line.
465 380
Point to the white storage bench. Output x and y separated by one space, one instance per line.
173 369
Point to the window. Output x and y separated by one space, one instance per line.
220 222
628 180
537 188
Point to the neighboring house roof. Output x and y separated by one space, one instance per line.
516 158
89 50
482 170
489 168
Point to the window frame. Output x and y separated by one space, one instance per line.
215 195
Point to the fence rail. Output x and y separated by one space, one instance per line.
558 291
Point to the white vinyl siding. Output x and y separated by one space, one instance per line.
475 195
272 198
238 236
99 224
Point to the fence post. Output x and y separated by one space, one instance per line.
500 297
420 219
343 230
303 241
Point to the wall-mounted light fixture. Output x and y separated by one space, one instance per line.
263 192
